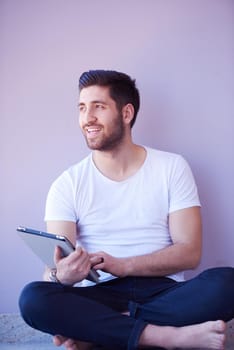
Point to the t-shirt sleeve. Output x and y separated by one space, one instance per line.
60 200
182 189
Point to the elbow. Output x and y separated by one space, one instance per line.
194 259
192 255
194 264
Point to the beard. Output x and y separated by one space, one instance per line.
111 140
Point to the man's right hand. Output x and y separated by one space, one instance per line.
72 268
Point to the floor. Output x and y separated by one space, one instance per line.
15 334
29 346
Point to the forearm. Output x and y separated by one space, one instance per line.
184 253
175 258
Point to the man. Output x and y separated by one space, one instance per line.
135 214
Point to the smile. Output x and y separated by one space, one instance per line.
91 130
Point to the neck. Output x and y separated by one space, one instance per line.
121 162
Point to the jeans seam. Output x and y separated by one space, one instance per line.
135 334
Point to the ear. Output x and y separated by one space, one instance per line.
128 113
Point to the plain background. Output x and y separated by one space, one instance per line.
181 54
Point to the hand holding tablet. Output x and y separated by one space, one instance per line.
43 245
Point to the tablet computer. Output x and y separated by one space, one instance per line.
43 245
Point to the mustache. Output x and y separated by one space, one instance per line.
91 124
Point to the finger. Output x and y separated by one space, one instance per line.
99 254
70 344
98 263
76 255
79 263
80 251
83 258
99 267
58 340
96 260
71 258
58 255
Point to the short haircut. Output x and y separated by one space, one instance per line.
122 88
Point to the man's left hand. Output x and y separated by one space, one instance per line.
108 263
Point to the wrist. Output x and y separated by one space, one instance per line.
127 267
53 275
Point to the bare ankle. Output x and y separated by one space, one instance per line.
210 335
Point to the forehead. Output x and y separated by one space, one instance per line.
95 93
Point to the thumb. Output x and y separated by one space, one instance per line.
57 254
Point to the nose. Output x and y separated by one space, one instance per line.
88 116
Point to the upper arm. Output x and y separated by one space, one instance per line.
186 227
65 228
60 214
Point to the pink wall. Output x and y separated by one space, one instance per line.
180 52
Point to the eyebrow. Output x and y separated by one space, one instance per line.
93 102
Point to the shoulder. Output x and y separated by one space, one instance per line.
77 169
170 166
164 157
72 175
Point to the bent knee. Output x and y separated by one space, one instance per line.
222 273
221 280
32 299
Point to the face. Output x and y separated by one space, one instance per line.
100 121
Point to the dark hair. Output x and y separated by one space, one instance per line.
122 88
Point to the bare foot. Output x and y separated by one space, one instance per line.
71 344
208 335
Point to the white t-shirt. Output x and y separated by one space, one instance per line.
125 218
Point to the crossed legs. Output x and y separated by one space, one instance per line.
94 314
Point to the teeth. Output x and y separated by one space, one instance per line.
92 130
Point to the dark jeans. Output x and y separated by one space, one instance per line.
93 314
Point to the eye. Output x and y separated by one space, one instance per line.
81 108
99 106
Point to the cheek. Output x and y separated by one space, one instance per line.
80 121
